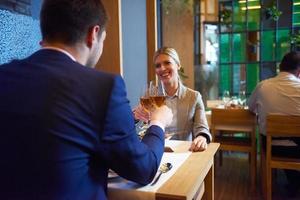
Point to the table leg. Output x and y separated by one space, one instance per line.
209 184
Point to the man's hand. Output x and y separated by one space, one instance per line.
163 114
199 144
141 114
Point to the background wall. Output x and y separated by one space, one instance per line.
134 38
36 8
20 36
19 29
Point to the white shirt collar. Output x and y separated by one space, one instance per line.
289 76
173 96
60 50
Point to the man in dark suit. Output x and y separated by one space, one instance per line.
63 124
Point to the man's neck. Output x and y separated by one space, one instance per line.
75 51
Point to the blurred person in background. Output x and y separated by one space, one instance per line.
280 95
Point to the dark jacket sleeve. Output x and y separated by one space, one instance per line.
128 156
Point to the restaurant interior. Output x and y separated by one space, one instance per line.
226 48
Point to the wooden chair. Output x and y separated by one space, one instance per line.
279 126
232 121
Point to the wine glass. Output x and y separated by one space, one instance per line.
146 104
226 97
242 98
158 98
145 100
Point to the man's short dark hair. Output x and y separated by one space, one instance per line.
290 62
68 21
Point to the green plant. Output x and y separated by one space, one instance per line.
181 73
295 39
273 13
225 16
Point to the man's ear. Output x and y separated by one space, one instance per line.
92 35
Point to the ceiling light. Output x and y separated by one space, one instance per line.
244 1
251 7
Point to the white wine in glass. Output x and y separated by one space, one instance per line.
158 100
157 97
146 102
145 98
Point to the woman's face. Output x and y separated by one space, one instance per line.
166 69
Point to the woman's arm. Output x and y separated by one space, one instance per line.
201 132
200 125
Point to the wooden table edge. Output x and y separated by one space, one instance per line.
162 192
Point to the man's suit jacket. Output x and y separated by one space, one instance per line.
63 125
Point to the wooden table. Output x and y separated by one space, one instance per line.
189 180
185 183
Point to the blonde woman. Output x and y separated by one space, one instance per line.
189 119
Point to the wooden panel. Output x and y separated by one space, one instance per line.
151 37
211 7
111 59
286 164
178 32
280 125
234 117
210 10
233 127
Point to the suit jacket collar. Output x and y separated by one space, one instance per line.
51 54
60 50
181 90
